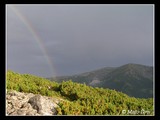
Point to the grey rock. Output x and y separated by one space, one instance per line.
28 104
36 102
21 112
42 105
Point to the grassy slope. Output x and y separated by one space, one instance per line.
80 99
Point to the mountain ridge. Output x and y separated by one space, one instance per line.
133 79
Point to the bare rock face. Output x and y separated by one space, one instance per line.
42 105
22 104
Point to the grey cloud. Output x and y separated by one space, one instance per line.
79 38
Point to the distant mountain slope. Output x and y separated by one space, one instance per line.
133 79
87 77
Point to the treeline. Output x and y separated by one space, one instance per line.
81 99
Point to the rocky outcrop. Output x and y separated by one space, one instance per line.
18 103
42 105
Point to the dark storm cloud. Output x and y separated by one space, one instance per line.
80 38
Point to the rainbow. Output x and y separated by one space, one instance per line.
36 36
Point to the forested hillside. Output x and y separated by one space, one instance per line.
133 79
80 99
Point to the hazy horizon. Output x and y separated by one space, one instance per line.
61 40
83 71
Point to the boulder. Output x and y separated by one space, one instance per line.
42 105
18 103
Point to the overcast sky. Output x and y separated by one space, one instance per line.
71 39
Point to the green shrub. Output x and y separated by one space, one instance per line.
80 99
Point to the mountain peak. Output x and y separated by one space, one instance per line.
135 65
126 78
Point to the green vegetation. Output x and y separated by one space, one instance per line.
126 78
80 99
31 84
